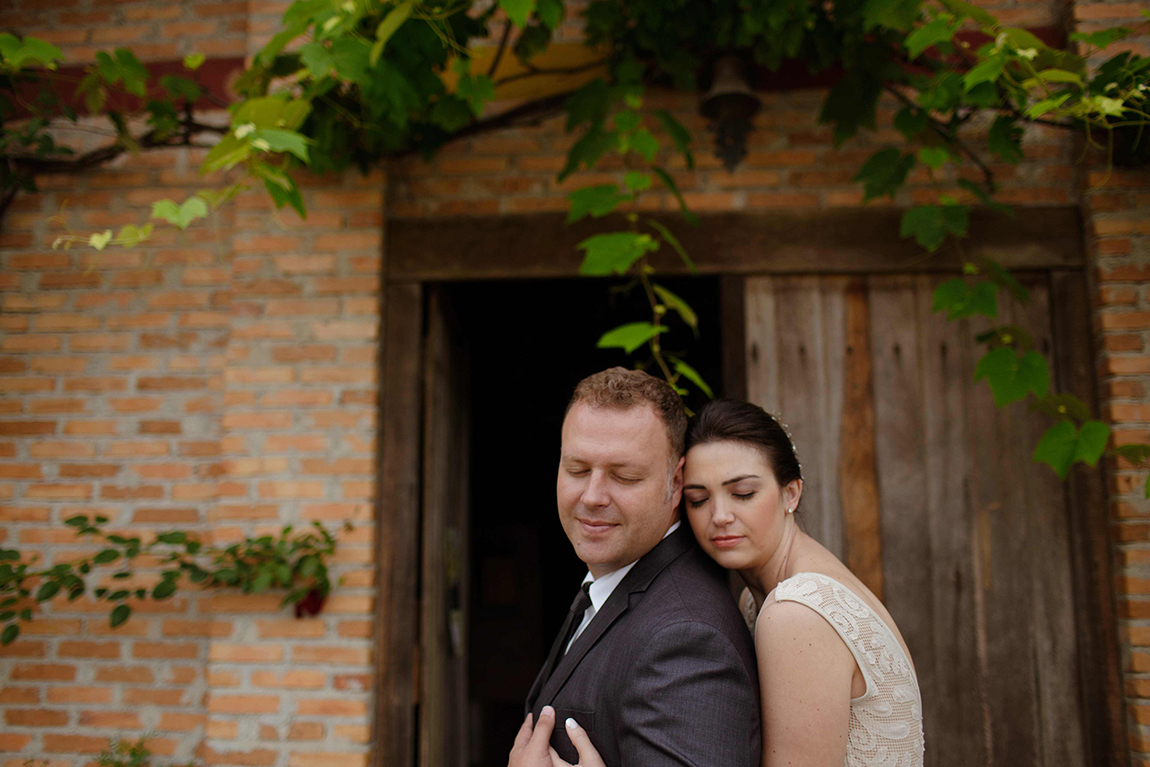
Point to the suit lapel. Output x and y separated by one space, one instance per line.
636 581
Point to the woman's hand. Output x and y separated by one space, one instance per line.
532 746
588 756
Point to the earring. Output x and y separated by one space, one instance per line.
790 511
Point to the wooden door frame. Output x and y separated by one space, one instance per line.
730 245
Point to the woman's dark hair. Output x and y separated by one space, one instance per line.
728 420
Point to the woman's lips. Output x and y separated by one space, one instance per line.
726 541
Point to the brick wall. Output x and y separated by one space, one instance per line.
225 381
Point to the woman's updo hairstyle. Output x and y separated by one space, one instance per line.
728 420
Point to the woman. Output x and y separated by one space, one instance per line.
838 685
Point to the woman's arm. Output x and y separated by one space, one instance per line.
805 672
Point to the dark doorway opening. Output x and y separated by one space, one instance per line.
528 344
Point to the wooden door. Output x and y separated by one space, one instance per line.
928 492
443 716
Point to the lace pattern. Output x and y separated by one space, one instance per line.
885 722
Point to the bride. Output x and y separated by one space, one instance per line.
838 685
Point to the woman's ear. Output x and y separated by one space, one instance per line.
792 493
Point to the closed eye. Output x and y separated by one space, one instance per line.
694 504
744 496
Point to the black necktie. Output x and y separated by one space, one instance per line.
574 618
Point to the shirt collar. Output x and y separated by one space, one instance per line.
602 586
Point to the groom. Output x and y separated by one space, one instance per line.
654 660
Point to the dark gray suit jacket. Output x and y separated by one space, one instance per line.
665 673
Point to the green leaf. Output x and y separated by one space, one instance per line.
930 224
131 235
77 521
282 141
106 556
1134 453
230 151
986 71
614 253
391 22
958 299
595 201
100 240
587 150
932 33
965 10
289 196
1046 106
884 173
673 241
1012 377
194 61
8 636
181 87
180 216
1064 444
692 375
47 590
895 14
164 589
350 56
176 537
318 59
517 10
1062 406
1060 76
477 90
1103 38
630 337
933 156
636 181
681 307
262 581
550 12
1005 279
910 122
680 136
645 144
1005 139
119 614
851 103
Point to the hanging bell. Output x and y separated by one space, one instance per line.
730 105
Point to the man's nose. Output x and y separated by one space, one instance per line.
596 495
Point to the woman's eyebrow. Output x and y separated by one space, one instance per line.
740 478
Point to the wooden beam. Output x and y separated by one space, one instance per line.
397 609
844 241
1096 615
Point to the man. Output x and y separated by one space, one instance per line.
658 668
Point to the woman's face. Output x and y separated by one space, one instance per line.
734 504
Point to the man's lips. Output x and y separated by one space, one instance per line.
596 527
726 541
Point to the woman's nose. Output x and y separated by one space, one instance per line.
721 513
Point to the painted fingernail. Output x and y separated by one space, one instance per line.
571 723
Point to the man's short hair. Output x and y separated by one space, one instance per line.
623 389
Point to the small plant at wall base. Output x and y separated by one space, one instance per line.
294 561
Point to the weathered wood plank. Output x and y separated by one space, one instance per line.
397 611
851 241
954 707
1005 622
1100 666
899 456
858 479
732 306
761 343
803 402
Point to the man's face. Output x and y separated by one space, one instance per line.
616 492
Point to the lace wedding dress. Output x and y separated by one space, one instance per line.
886 721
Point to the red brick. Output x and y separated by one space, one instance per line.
36 717
243 704
80 694
73 744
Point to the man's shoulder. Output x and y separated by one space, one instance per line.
691 588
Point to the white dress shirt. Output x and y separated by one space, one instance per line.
601 589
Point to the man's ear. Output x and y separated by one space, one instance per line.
677 482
